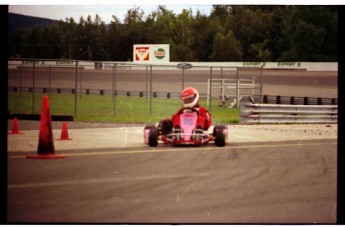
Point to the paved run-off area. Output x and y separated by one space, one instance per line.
98 135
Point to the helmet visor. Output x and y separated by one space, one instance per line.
188 99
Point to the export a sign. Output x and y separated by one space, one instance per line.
151 53
278 64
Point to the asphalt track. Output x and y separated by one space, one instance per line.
292 182
265 174
285 174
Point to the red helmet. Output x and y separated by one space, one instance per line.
190 97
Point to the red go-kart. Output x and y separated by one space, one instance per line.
187 134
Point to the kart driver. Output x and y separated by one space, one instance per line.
190 100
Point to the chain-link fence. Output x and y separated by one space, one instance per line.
226 86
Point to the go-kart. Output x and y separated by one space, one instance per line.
187 133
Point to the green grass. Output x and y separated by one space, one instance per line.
98 108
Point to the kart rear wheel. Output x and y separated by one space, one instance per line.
150 126
153 135
165 126
220 135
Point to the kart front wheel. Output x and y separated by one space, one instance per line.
220 134
152 135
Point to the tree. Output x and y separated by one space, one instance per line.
134 30
230 33
184 36
205 30
303 33
98 41
226 48
313 38
260 52
250 28
162 28
115 40
222 12
279 34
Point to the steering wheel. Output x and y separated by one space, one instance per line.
191 110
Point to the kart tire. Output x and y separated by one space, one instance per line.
219 135
165 127
150 127
153 136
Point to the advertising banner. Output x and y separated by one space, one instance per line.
149 53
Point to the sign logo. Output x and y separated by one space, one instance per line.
146 53
184 66
159 53
142 54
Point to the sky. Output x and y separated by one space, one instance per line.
62 12
62 9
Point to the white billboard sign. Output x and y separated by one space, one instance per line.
149 53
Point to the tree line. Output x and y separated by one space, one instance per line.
229 33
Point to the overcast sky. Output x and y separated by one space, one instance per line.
103 9
62 9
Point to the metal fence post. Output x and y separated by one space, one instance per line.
210 102
81 81
114 89
222 89
208 93
146 84
222 85
182 79
150 89
49 82
237 90
20 80
33 87
75 89
261 84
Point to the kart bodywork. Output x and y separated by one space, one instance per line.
187 134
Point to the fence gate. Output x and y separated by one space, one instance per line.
239 84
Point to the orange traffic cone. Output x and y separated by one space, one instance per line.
15 128
64 132
46 148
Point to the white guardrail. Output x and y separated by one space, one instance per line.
272 113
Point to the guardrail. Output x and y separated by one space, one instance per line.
270 99
272 113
